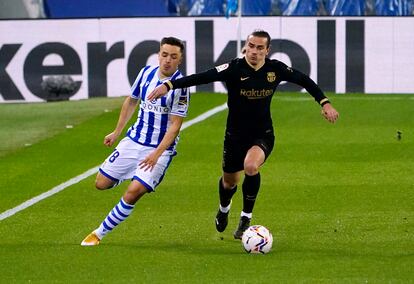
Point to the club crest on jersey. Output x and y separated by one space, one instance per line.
183 101
271 76
222 67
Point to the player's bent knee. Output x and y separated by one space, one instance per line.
229 185
251 169
103 184
100 186
230 180
133 194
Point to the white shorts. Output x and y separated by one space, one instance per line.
123 164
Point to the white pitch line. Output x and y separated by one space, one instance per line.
48 193
204 116
72 181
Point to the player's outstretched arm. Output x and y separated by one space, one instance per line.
158 92
205 77
329 112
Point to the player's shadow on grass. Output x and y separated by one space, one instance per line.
210 247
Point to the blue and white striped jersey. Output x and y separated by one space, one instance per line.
153 116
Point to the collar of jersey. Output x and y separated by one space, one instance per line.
254 69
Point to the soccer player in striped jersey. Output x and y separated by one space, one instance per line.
144 155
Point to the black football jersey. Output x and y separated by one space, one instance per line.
250 91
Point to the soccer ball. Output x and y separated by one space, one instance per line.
257 239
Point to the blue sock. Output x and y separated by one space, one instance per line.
118 214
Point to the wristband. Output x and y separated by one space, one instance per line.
168 84
324 102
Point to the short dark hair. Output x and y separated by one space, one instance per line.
261 33
173 41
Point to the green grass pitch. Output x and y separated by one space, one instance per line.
339 199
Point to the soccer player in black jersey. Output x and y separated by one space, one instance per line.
249 138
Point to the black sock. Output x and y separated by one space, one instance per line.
225 194
251 185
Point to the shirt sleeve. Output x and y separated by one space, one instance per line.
218 73
294 76
135 89
181 100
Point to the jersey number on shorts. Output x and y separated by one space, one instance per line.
114 156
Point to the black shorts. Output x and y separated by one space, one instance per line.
236 147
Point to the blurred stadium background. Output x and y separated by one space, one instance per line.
155 8
345 46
